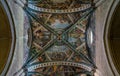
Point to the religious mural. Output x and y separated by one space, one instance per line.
60 37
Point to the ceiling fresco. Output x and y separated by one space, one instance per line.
60 38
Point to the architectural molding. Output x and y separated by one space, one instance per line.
107 37
13 36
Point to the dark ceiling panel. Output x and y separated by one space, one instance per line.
115 27
5 38
114 38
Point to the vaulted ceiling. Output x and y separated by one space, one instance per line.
112 37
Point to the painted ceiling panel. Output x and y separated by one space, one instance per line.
60 37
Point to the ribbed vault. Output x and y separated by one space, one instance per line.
61 37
